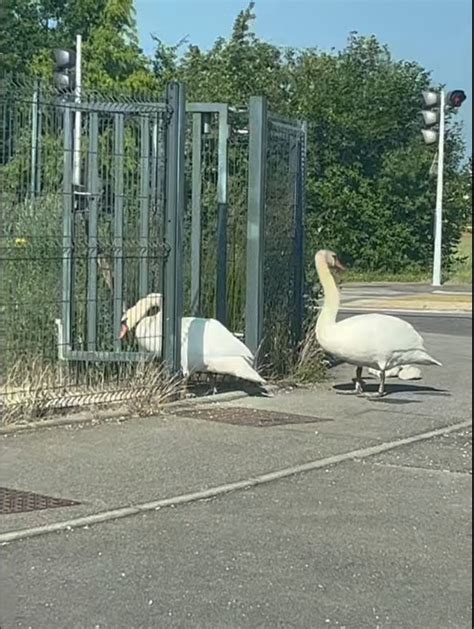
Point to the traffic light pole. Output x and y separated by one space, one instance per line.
76 169
438 229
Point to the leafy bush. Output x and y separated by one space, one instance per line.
30 279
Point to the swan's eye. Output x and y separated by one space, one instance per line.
153 311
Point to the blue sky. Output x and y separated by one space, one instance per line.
436 33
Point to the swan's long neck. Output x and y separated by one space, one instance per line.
328 313
138 312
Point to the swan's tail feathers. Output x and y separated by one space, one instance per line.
236 366
420 357
432 361
247 372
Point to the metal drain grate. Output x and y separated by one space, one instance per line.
238 416
15 501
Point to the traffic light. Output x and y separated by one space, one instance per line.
455 98
64 75
435 105
434 116
431 116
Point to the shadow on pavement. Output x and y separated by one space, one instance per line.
394 388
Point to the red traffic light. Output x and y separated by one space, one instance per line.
456 98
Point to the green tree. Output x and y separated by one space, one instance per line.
30 29
232 70
371 196
369 191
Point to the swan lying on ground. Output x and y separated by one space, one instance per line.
376 341
206 345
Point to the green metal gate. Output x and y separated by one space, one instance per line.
121 224
196 201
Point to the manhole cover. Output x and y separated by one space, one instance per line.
247 416
15 501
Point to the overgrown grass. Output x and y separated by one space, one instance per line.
38 390
308 365
462 268
459 273
410 276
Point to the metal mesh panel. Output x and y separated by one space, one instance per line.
201 184
75 252
118 222
237 226
203 172
82 235
282 257
31 160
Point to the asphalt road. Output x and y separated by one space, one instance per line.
383 543
452 325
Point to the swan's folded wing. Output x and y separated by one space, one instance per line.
210 338
207 345
373 339
381 330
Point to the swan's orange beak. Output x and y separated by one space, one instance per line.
124 330
339 265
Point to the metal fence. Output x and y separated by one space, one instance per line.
87 229
215 217
275 256
105 201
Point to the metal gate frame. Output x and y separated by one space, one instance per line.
175 199
174 107
198 110
259 118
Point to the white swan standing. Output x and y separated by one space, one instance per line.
206 345
379 342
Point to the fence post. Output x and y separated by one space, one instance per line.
144 262
118 170
222 217
300 211
256 221
174 211
35 133
196 220
68 226
92 245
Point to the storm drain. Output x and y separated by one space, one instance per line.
238 416
15 501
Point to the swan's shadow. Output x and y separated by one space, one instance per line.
394 388
208 385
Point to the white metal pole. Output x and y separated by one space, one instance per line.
438 233
77 118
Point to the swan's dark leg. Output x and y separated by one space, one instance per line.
381 392
382 383
358 382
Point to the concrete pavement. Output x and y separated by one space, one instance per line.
379 544
381 541
120 464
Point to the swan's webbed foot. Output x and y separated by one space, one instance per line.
350 392
373 396
381 391
358 384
